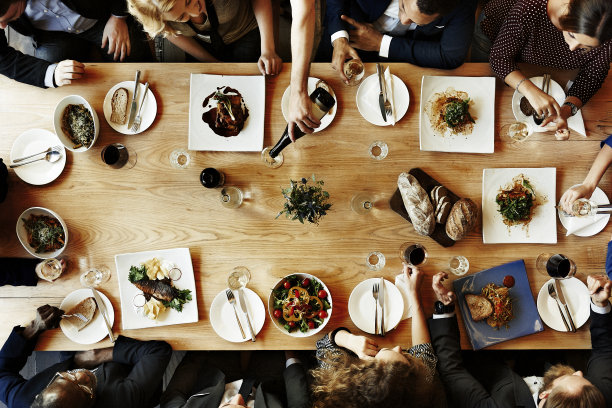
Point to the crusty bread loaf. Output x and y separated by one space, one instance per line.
480 307
462 219
417 204
87 307
119 104
441 203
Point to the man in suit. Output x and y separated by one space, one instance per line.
197 382
126 375
63 31
428 33
494 384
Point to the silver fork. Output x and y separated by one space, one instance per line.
387 104
51 149
138 118
232 300
77 315
553 294
375 296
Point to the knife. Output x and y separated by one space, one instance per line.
381 301
243 306
559 290
102 309
134 101
381 95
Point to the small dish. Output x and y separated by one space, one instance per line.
223 319
312 84
361 306
367 100
57 122
22 234
148 113
96 329
34 141
578 302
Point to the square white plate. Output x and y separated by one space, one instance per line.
130 317
253 91
481 91
543 226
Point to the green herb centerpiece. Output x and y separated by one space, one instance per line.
305 201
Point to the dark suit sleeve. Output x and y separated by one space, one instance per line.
599 370
13 357
119 8
447 53
296 386
334 9
18 271
20 67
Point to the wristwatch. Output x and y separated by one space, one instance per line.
441 308
574 107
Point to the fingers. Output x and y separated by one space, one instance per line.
261 65
350 20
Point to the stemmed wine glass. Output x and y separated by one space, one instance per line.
95 276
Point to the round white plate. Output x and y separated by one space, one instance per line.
578 302
595 225
148 113
96 329
223 319
34 141
361 306
367 100
555 90
312 84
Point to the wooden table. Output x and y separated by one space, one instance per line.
154 206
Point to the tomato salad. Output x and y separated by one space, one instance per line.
300 303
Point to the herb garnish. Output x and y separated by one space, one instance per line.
457 113
225 101
304 201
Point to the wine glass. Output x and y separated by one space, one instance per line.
354 71
516 132
272 162
378 150
362 203
231 197
180 158
459 265
95 276
239 278
49 269
413 254
375 261
557 266
118 156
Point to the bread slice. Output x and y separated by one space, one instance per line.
87 307
119 104
480 307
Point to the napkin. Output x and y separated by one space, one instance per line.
389 86
577 123
400 282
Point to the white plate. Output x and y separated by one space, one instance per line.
96 329
481 91
312 84
34 141
543 226
593 225
367 100
578 301
148 113
22 233
131 317
361 306
253 91
223 319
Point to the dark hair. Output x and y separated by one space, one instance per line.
442 7
5 4
589 17
588 397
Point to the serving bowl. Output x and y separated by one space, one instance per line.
57 122
22 233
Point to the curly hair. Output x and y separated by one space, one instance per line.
589 17
150 13
347 381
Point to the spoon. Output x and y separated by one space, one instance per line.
51 157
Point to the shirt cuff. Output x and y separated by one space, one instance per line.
291 361
121 17
339 34
443 315
49 76
601 310
385 43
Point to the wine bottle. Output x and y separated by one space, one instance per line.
322 102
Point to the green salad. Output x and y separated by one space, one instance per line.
300 303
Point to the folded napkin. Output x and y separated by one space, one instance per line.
577 123
389 86
400 282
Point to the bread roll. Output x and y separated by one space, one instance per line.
119 104
462 219
417 204
87 307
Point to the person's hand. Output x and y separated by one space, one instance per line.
572 194
270 63
117 36
543 104
413 278
47 317
364 36
558 122
364 347
342 52
599 288
66 71
300 113
442 294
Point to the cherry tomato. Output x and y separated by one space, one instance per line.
286 285
296 293
305 282
291 324
322 314
278 313
291 311
311 324
322 294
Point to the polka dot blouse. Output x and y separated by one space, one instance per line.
528 35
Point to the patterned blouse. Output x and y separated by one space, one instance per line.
522 32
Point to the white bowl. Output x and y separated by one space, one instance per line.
297 332
57 121
22 234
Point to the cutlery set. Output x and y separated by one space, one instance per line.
556 292
378 293
230 298
135 117
52 154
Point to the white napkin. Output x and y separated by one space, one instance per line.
400 282
389 86
575 122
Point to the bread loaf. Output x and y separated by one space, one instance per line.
119 103
462 219
417 204
441 203
87 307
480 307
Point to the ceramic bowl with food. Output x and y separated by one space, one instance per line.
76 123
300 305
42 232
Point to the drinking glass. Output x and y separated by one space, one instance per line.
231 197
272 162
118 156
362 203
375 261
583 207
459 265
354 71
180 158
516 132
95 276
413 254
239 278
378 150
49 269
556 266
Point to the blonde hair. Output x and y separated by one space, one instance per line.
150 13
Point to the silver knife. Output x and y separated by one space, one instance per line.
381 301
559 290
102 308
243 306
134 101
381 95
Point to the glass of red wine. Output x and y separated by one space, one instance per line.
557 266
118 156
413 254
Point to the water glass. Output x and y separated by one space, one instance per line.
118 156
354 71
556 266
95 276
362 203
272 162
375 261
583 207
180 159
378 150
231 197
516 132
239 278
49 269
413 254
459 265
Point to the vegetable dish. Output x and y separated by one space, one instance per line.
78 125
517 202
45 234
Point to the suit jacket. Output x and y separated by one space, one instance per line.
210 396
443 43
18 271
130 380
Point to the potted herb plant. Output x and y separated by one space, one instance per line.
305 200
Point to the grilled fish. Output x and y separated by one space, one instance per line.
159 289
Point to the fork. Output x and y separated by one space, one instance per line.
77 315
553 294
232 300
387 104
136 125
56 148
375 296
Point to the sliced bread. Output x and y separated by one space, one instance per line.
480 307
87 307
119 104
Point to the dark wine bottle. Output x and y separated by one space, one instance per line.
322 102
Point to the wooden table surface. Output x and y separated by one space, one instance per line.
155 206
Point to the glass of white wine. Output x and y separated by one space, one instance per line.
516 132
239 278
95 276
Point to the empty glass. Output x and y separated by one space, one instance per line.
459 265
95 276
231 197
375 261
239 278
180 159
378 150
362 203
413 254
